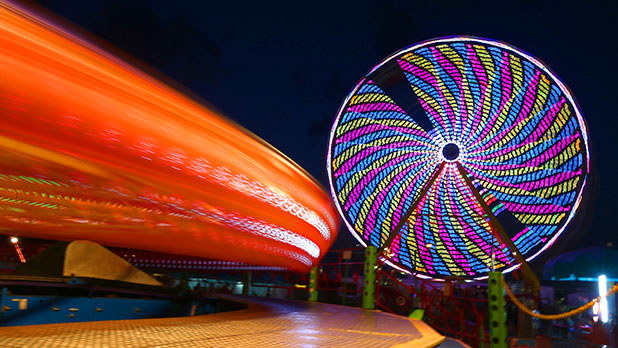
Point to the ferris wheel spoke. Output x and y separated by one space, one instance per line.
373 160
517 172
517 230
425 76
485 67
373 105
493 242
512 150
520 192
355 151
548 118
467 98
360 192
484 238
508 94
363 126
529 179
393 85
450 87
375 165
452 201
378 196
477 87
529 212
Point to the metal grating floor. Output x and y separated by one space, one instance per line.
266 323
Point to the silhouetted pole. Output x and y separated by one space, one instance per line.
246 282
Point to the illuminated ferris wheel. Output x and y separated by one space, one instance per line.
454 150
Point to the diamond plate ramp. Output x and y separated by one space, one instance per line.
266 323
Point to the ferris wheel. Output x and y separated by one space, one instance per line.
449 141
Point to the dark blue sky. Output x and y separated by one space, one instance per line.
281 69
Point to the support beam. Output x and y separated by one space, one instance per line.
313 284
497 312
501 235
369 285
246 283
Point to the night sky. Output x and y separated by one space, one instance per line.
281 69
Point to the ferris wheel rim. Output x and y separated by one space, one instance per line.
511 49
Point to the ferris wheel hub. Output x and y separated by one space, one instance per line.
450 152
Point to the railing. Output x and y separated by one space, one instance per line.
455 316
339 279
459 312
284 285
293 285
340 276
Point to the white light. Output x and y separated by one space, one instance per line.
595 312
603 293
14 240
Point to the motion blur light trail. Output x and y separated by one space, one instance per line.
91 148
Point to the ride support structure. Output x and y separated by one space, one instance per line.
369 289
313 284
497 313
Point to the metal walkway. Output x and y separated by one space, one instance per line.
266 323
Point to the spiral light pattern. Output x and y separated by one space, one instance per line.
483 105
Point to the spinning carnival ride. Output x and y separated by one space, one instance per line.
454 150
91 148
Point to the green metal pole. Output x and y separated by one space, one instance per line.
369 286
497 312
313 284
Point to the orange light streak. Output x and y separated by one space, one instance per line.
92 148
